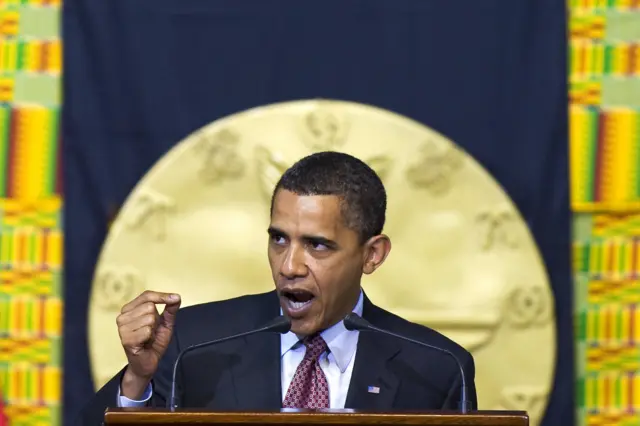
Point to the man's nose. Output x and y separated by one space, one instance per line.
294 263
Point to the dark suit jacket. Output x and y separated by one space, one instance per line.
244 374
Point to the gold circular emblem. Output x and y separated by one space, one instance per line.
463 260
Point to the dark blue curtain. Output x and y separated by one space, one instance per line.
140 75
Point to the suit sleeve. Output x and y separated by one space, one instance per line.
453 397
92 414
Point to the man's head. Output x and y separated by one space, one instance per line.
327 216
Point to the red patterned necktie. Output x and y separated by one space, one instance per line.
309 387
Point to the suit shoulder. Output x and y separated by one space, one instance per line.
427 335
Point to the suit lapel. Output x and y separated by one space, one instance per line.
256 379
373 386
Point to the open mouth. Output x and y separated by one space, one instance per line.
297 301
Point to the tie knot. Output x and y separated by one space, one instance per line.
316 346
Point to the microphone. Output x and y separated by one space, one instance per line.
355 322
279 324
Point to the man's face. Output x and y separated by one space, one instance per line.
316 261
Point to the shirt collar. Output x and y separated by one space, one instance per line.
341 342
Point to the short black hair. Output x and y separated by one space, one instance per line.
362 194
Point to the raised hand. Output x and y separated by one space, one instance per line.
145 335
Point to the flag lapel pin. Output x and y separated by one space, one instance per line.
373 389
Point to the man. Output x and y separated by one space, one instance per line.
327 217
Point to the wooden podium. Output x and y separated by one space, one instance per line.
150 416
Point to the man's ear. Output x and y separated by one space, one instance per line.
376 252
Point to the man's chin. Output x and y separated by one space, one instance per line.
303 327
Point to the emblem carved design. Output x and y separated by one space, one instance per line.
324 130
381 165
269 167
435 168
498 229
528 306
150 209
116 287
220 157
531 399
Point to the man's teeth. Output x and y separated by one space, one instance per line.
298 305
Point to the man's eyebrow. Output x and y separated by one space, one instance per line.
272 230
321 240
317 238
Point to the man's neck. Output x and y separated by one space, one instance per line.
355 306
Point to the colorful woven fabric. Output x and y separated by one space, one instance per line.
604 63
607 322
605 148
31 306
29 151
591 5
30 212
3 416
612 260
30 68
614 325
598 59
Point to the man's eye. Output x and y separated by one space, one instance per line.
278 239
319 246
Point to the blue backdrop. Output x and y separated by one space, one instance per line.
141 75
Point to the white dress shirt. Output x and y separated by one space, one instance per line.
337 365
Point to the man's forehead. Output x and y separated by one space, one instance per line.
309 211
287 202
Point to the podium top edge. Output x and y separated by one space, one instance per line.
308 412
129 416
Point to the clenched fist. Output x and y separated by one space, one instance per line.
145 335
